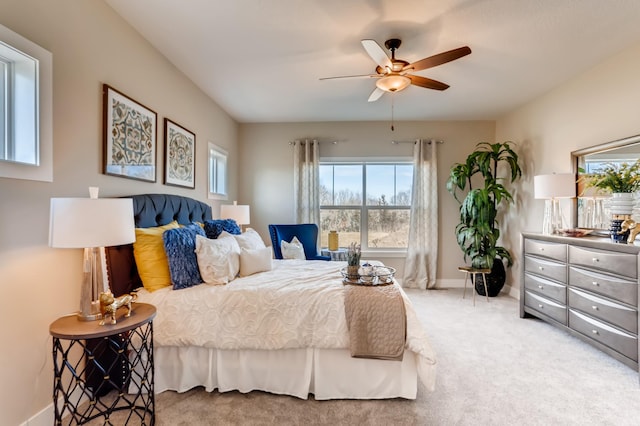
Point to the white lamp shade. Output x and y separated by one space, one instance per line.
87 222
557 185
239 213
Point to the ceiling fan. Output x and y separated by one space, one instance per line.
393 74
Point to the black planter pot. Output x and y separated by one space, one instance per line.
495 280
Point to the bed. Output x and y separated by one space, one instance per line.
281 331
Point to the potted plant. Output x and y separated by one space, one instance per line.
478 233
353 261
621 180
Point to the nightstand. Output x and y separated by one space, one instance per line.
340 254
103 369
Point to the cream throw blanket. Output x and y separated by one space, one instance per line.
377 321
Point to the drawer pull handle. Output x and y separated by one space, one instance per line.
540 306
595 283
541 287
594 307
595 331
541 268
541 248
595 259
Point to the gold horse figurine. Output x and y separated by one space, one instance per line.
109 305
631 226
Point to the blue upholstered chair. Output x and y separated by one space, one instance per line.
307 234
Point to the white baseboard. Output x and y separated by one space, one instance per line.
45 417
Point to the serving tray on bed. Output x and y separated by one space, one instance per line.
382 275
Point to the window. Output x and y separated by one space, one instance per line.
367 202
217 172
26 130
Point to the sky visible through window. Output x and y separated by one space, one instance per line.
380 179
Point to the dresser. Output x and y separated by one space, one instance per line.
587 286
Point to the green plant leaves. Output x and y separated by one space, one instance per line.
478 233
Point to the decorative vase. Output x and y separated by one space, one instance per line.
621 203
333 241
352 272
614 231
495 280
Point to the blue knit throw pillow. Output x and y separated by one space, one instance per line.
213 228
180 245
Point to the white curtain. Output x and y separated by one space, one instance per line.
306 167
422 253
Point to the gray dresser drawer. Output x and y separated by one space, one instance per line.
546 268
545 287
613 313
616 288
542 248
615 263
622 342
546 306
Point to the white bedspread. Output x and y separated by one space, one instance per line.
298 304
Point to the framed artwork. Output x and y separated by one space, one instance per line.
179 155
129 137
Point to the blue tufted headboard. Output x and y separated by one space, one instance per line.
149 210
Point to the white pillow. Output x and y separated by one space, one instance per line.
218 260
254 261
250 240
292 250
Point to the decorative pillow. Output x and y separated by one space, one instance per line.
151 259
180 245
213 228
292 250
250 240
254 261
218 260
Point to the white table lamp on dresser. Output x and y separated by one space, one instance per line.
552 188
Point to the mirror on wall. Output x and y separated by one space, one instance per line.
593 210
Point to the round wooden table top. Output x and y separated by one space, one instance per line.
70 327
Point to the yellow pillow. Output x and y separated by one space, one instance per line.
151 259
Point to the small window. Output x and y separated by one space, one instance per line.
217 172
26 130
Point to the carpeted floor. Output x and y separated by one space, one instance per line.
493 369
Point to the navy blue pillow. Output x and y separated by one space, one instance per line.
213 228
180 245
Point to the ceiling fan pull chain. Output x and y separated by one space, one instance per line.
392 98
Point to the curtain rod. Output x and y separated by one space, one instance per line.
312 140
399 142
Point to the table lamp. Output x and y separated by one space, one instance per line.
91 224
239 213
551 188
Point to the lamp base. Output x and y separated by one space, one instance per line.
93 315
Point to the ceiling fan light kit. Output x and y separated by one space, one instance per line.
393 83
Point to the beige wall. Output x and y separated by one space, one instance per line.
266 178
91 45
597 106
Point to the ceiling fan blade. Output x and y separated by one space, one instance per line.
427 83
439 59
349 76
377 53
376 94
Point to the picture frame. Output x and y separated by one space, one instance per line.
129 137
179 155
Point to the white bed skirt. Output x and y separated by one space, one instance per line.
325 373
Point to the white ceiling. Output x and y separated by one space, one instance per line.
261 60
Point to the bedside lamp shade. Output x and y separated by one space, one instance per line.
86 222
239 213
91 224
551 188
